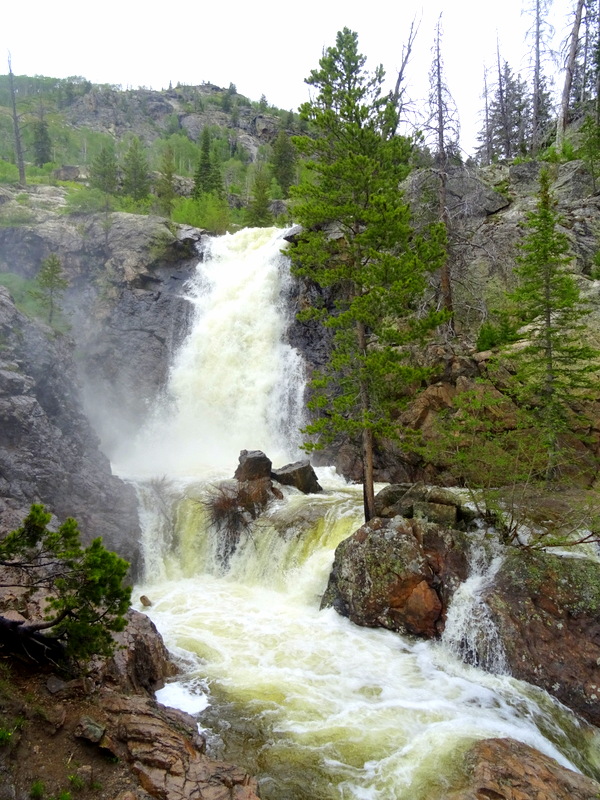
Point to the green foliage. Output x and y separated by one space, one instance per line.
136 178
77 782
23 293
209 211
8 172
590 147
13 216
5 736
103 171
51 284
165 185
258 214
42 145
555 367
358 239
37 791
84 200
86 597
283 162
207 178
493 334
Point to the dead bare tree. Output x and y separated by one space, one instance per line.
16 126
563 116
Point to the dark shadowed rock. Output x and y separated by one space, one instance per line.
141 662
397 574
299 474
503 769
547 610
48 451
253 465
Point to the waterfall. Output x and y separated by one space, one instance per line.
470 632
313 705
235 383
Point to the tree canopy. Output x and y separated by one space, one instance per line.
357 239
86 598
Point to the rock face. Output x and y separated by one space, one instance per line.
397 574
124 301
48 452
547 611
165 752
502 769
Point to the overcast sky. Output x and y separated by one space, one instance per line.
264 46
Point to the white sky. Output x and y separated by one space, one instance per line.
263 46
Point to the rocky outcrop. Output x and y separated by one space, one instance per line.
124 304
547 609
48 451
300 475
398 574
141 662
164 751
253 465
502 769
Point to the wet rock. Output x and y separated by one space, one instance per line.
547 611
253 465
165 752
300 474
141 662
503 769
433 503
397 574
48 450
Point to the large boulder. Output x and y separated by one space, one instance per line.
300 474
503 769
547 611
253 465
398 574
163 750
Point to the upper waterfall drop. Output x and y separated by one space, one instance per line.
235 382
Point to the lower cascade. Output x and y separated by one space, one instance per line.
313 705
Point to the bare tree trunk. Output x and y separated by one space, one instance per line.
488 133
367 434
503 108
397 98
563 115
16 128
537 78
445 278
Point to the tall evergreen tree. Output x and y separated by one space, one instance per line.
507 130
357 238
20 161
207 177
103 171
51 284
555 366
283 162
42 144
165 185
258 213
136 173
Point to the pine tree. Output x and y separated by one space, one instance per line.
258 213
507 131
357 238
86 598
283 162
136 177
103 171
51 284
207 177
42 144
165 185
555 366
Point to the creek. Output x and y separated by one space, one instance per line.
313 705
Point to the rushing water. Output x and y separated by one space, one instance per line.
315 706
